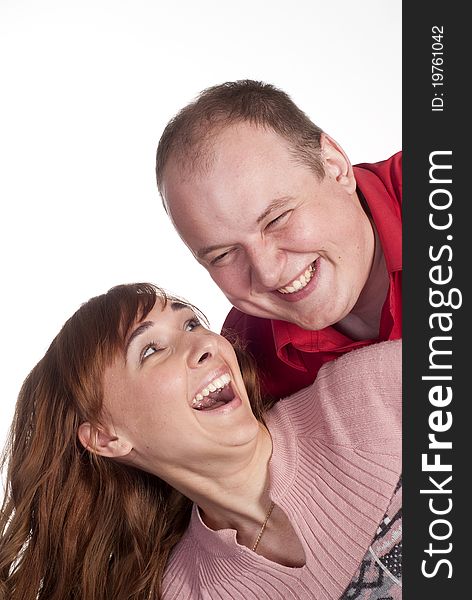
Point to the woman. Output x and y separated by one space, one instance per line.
138 468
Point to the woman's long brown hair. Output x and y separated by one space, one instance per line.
75 525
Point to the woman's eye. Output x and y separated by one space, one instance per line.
149 350
192 324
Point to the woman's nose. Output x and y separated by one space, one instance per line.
202 351
204 357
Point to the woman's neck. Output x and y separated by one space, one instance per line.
236 496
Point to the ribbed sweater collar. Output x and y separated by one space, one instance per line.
333 470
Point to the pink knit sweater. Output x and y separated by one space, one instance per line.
335 466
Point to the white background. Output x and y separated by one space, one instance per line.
86 88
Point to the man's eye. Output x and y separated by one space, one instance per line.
192 324
280 219
220 257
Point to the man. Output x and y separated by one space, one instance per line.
306 247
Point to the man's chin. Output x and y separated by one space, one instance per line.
307 322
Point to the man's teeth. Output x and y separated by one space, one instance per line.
215 386
300 283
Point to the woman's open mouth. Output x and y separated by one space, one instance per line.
216 394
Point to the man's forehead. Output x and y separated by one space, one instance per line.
186 167
194 156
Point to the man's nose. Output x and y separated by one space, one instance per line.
266 264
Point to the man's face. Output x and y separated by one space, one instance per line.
280 243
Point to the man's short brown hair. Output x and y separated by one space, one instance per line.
187 136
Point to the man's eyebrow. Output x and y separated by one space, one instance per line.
207 249
274 205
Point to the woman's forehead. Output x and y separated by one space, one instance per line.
162 308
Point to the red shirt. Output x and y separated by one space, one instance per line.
289 357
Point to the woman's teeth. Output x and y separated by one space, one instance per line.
298 284
215 386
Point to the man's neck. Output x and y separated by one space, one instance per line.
363 322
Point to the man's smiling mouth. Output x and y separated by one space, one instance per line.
303 280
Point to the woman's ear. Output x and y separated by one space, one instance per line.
336 163
102 442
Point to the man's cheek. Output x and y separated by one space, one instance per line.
229 282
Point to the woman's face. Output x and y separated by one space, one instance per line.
177 400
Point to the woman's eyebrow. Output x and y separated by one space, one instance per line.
138 331
176 305
147 324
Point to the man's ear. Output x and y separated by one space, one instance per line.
102 442
336 163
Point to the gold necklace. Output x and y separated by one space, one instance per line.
258 539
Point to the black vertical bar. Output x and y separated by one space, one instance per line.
437 253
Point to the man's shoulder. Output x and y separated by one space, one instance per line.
381 187
387 172
392 164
